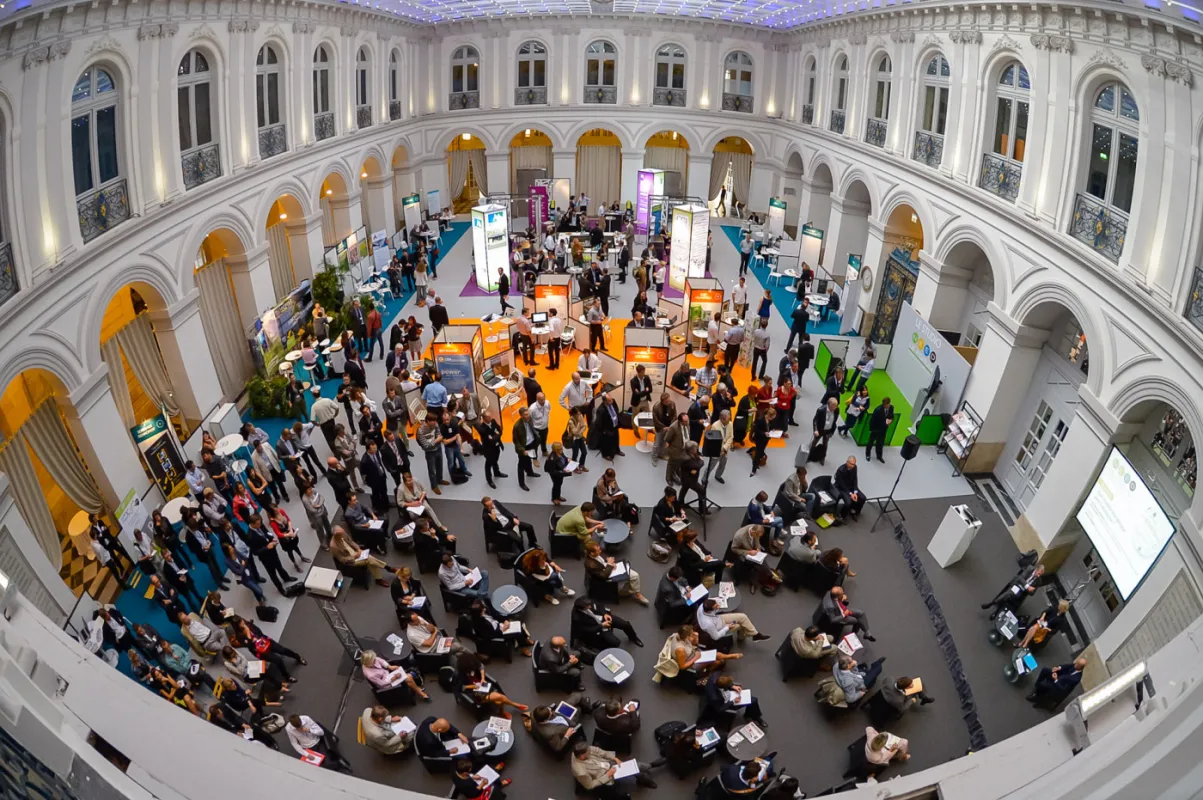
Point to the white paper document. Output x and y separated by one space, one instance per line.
404 726
757 558
375 524
473 577
498 725
622 676
775 434
255 669
679 526
697 593
419 508
626 769
455 747
444 645
417 602
752 732
571 466
726 589
620 569
514 626
849 644
707 657
489 774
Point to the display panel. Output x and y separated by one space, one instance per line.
1125 523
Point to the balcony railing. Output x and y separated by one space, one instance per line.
808 115
530 96
604 95
201 165
9 285
668 97
929 148
323 126
460 100
103 210
1000 176
837 121
394 110
363 117
875 132
1100 228
738 102
273 140
1194 301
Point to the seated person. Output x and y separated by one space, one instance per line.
668 510
836 562
473 682
1056 684
834 612
672 594
745 543
904 694
594 625
696 559
855 679
550 575
456 577
717 624
679 656
683 752
405 591
361 521
349 554
721 696
424 636
1017 590
804 549
486 626
378 732
761 513
555 730
814 645
200 633
617 718
579 522
794 498
613 500
851 498
471 786
588 363
431 735
603 567
747 777
383 675
499 519
429 540
1052 620
881 748
555 657
594 768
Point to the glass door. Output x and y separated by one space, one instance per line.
1045 435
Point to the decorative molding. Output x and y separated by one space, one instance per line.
41 55
203 32
1179 73
105 43
966 37
1053 42
303 27
1005 42
857 39
275 31
244 25
1153 65
931 40
349 31
902 37
167 29
1109 59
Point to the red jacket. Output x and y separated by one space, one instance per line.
375 322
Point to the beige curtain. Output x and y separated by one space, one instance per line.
537 157
141 348
457 163
598 173
671 159
279 258
480 168
741 175
718 174
31 502
329 237
49 438
110 351
219 316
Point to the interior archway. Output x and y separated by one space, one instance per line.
283 218
224 321
336 214
669 150
960 301
599 167
467 178
730 175
816 208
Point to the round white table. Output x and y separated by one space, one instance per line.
699 342
792 274
643 421
537 331
294 355
229 445
174 509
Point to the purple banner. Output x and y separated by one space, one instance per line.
643 200
538 212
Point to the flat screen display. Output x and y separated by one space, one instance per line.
1125 523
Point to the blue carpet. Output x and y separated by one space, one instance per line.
783 301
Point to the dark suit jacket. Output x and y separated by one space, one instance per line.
519 435
359 321
397 591
828 613
845 479
881 418
491 525
555 662
664 510
391 361
586 626
806 354
668 595
340 482
373 471
503 285
356 371
394 457
819 422
1067 679
641 389
532 389
438 317
553 734
430 744
257 540
624 723
490 436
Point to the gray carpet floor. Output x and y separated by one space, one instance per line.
812 744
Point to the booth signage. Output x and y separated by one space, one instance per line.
453 360
651 183
490 244
654 360
815 233
537 210
433 205
853 266
775 223
411 209
161 454
678 262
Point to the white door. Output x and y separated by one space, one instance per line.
1039 431
1041 443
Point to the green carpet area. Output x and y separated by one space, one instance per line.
880 385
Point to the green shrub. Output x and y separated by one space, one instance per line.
267 397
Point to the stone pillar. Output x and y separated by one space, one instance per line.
999 381
378 203
941 292
563 165
698 180
252 279
848 231
497 171
632 162
434 179
186 356
759 186
814 206
1091 434
105 442
43 570
348 214
875 260
305 244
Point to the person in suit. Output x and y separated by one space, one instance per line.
167 598
617 718
641 390
593 768
431 735
895 692
834 611
404 589
765 421
396 358
503 288
359 519
394 455
624 261
359 325
439 318
834 386
851 498
378 733
1053 620
799 317
489 431
879 423
692 478
531 387
696 559
826 419
812 644
672 600
265 547
833 303
499 519
526 445
673 447
375 475
668 511
1056 684
698 415
290 454
179 578
716 703
355 369
555 657
603 433
806 354
1017 590
485 626
556 731
594 624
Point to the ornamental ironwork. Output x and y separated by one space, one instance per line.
323 126
461 100
201 165
273 140
394 110
604 95
363 117
531 96
9 285
738 102
929 148
668 97
103 210
1000 176
837 121
1100 228
808 115
875 132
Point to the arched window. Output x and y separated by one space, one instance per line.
1002 166
100 191
601 68
879 117
363 102
737 82
465 78
839 105
323 117
199 157
532 74
394 98
1100 217
812 76
272 138
669 87
929 139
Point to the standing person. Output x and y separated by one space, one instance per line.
301 431
522 325
347 450
641 390
766 306
732 339
376 477
395 416
760 437
597 322
799 317
556 327
879 423
449 436
556 468
106 559
739 297
439 317
323 413
503 289
540 416
856 406
824 424
712 335
720 210
490 445
430 441
359 325
287 536
760 347
395 457
745 252
664 415
265 547
575 437
721 424
526 441
375 331
318 514
863 369
604 431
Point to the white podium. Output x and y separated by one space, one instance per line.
224 421
954 535
323 582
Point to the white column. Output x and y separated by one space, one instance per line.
698 181
875 259
434 178
252 278
632 162
239 87
299 111
14 524
759 186
186 356
105 442
941 292
962 111
1155 243
347 214
563 165
847 232
814 206
378 202
305 244
497 169
1054 172
1040 123
48 189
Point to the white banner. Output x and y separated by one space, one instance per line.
918 349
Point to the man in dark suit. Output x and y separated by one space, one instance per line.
340 480
851 498
396 460
359 325
499 519
895 692
526 445
372 468
167 598
641 390
438 315
624 261
1056 684
555 657
503 288
489 431
289 453
616 718
806 354
879 423
531 387
432 733
834 612
557 731
396 359
594 624
1017 590
826 419
265 547
798 319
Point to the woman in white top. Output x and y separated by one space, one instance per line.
411 492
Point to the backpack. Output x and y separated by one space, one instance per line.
664 732
272 723
659 552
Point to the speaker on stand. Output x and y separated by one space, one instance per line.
887 505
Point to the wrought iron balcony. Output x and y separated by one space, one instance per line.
9 285
808 115
394 110
1100 228
837 121
201 165
363 117
875 132
460 100
738 102
530 96
929 148
668 97
103 210
605 95
1194 301
323 126
273 140
1000 176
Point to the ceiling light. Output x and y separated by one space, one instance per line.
528 133
674 136
467 137
283 215
914 218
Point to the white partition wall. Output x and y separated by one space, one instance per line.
691 224
490 244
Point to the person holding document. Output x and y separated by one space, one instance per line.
613 500
606 568
746 546
366 528
458 578
483 785
697 561
718 626
313 742
412 495
383 675
384 733
433 736
538 566
481 688
557 467
499 519
682 658
349 554
599 771
747 777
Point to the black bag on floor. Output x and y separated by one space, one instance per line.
818 452
295 589
458 476
267 613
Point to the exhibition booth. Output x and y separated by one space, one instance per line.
690 228
703 299
490 244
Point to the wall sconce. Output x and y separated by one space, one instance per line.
914 218
528 133
467 137
329 192
674 136
283 215
363 174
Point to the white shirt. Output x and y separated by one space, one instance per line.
199 630
305 737
711 624
549 242
576 393
660 274
739 295
195 480
556 326
416 634
867 368
540 415
712 332
102 555
589 363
